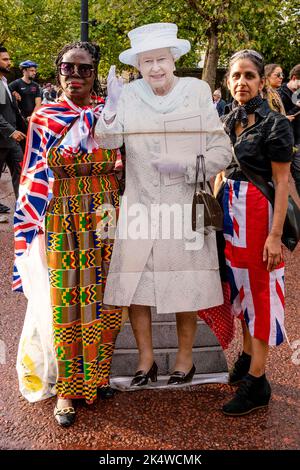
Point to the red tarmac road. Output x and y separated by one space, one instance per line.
183 419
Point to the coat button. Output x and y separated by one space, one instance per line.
155 182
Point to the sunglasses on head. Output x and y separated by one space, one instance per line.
249 52
67 69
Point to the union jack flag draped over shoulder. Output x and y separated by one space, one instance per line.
47 127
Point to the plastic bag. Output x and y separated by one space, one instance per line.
36 360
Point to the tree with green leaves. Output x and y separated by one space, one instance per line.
37 29
218 27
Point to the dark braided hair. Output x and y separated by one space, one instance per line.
92 48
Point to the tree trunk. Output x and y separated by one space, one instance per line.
211 58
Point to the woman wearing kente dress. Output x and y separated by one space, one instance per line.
61 143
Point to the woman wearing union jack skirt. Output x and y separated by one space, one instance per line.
262 147
65 182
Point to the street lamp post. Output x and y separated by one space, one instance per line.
84 20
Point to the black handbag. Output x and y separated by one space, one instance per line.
291 229
211 218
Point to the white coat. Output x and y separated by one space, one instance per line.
183 280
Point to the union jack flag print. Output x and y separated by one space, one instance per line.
256 294
47 126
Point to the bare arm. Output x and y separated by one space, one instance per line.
38 104
218 182
272 250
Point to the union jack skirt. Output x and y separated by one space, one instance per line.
256 294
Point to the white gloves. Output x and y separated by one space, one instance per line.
165 164
114 89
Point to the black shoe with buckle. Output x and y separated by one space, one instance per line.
65 416
240 369
106 392
179 378
141 377
252 394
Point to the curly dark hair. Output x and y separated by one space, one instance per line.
92 48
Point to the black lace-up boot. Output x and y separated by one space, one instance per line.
240 368
253 393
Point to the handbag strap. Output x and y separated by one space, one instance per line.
203 169
258 181
197 172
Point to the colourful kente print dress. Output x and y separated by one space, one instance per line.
78 255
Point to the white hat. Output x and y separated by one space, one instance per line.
153 36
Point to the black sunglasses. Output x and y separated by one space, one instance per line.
67 69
